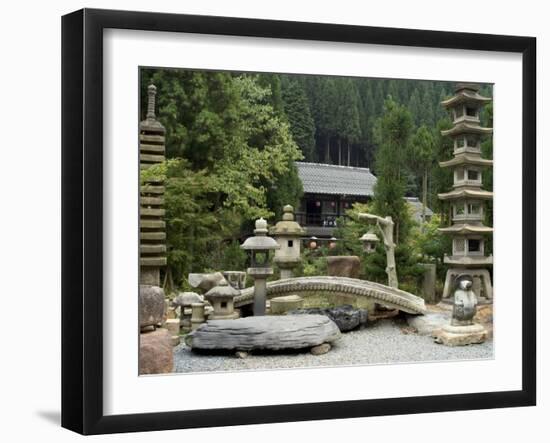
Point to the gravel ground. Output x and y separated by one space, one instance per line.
379 343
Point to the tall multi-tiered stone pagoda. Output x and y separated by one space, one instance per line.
468 198
152 233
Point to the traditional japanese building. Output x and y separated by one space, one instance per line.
329 191
468 199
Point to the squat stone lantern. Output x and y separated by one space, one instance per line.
287 233
369 242
221 298
260 246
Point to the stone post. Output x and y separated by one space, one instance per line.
197 315
428 282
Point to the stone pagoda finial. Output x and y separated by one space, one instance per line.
261 227
152 95
288 213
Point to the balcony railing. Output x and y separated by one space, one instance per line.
325 220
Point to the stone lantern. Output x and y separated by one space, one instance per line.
369 242
287 233
260 246
221 298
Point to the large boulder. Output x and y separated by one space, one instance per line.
264 332
346 317
151 306
155 352
344 266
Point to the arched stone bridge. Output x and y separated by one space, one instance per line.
339 286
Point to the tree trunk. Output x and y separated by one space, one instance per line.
327 150
348 146
424 195
389 246
386 225
339 152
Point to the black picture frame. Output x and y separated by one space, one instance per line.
82 215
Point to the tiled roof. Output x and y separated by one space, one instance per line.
319 178
416 206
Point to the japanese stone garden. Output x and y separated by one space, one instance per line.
312 259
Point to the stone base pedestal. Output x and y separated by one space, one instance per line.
149 275
284 304
155 352
451 335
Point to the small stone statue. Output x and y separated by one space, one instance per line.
465 302
462 330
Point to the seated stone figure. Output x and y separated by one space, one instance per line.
462 330
465 301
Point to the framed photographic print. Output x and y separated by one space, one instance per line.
269 221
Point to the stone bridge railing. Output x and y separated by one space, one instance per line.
351 287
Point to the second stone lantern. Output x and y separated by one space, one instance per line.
260 246
288 234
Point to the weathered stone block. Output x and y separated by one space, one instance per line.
151 305
155 352
281 305
344 266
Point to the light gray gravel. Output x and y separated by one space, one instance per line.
379 343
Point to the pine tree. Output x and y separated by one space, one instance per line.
393 132
421 158
297 111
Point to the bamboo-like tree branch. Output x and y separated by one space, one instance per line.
385 226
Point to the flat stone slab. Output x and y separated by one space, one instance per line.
264 332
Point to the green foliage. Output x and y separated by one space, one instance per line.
314 262
422 159
234 258
393 132
296 108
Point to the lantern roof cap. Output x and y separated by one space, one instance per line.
370 236
223 290
260 241
287 226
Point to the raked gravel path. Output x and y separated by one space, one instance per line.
379 343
